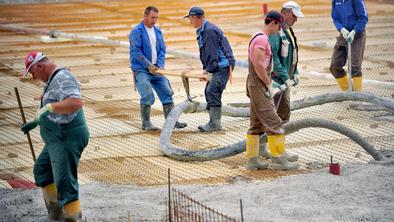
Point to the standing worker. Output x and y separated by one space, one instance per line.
263 116
147 56
285 57
218 62
350 18
65 133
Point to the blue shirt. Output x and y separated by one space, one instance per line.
349 14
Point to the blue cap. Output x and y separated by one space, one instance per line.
195 10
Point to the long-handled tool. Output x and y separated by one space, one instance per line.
24 121
185 80
349 63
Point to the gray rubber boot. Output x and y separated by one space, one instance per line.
74 218
263 152
214 124
145 119
166 110
281 163
55 211
256 164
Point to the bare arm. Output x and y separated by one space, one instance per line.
66 106
259 68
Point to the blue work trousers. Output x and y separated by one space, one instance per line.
214 88
146 81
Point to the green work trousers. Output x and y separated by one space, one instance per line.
59 159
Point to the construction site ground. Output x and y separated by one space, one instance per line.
119 152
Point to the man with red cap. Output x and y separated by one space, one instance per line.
65 133
263 116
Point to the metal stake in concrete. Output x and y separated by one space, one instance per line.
24 121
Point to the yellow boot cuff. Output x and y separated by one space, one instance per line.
343 83
357 83
50 193
276 144
72 208
252 146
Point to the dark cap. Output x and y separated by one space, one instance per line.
275 16
195 10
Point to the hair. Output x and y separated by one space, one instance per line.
149 9
268 21
283 10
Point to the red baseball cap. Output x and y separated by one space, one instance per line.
32 58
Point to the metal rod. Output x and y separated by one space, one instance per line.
24 121
349 63
169 196
242 210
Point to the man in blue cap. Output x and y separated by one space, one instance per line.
350 18
218 62
147 56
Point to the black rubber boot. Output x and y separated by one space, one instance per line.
145 119
214 124
166 110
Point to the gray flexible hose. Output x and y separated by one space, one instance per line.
211 154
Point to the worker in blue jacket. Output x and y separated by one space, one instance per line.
147 56
218 62
350 18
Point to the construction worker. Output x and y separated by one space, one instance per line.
263 116
218 62
147 56
285 57
350 18
65 133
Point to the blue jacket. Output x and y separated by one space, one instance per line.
140 48
215 50
351 14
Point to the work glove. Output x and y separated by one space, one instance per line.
296 80
26 127
288 84
276 85
269 93
153 69
344 33
43 111
350 37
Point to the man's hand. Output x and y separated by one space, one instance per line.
288 84
269 93
44 110
296 80
344 33
26 127
206 76
350 37
153 69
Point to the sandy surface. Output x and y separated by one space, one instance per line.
361 193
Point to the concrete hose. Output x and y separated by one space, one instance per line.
230 150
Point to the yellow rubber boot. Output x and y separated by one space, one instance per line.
357 83
72 211
343 83
55 211
252 153
276 144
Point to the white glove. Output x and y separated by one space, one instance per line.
44 110
269 93
344 33
350 37
296 80
288 84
